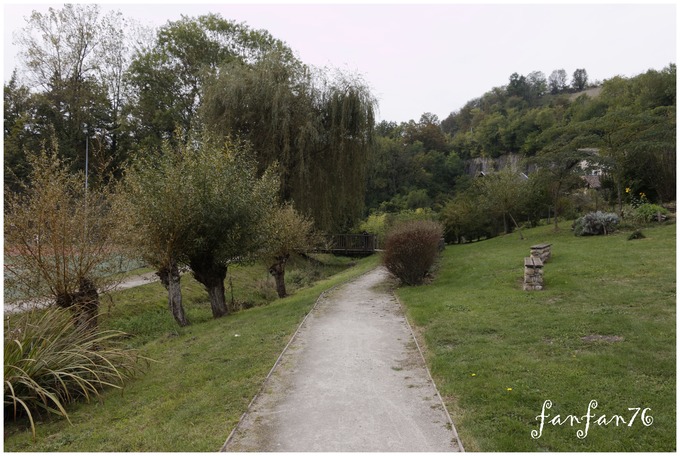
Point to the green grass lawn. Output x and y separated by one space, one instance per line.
204 375
497 353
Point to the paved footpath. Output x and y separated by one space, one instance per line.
351 380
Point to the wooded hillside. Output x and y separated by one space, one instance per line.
628 122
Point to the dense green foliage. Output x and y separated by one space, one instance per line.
412 167
231 207
318 130
126 92
646 213
115 93
169 76
494 204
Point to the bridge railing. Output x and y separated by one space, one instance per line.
353 244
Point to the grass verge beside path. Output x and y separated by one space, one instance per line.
203 380
604 329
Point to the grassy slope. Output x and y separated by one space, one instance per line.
204 377
485 335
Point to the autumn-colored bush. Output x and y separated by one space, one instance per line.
411 249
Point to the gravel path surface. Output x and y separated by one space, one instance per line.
352 379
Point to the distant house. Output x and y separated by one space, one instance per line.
592 181
483 166
592 170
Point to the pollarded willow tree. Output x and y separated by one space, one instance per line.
289 233
318 128
198 204
231 208
59 239
156 218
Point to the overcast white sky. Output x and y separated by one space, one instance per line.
434 58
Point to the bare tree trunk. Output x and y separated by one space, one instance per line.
619 198
212 277
556 201
170 279
278 271
517 226
218 303
84 305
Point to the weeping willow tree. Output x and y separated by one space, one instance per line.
318 128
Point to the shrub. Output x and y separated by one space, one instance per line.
595 223
381 223
48 363
375 224
411 249
637 234
646 213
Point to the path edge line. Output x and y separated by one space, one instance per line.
429 374
223 449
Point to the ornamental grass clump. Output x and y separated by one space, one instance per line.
595 223
411 249
49 362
